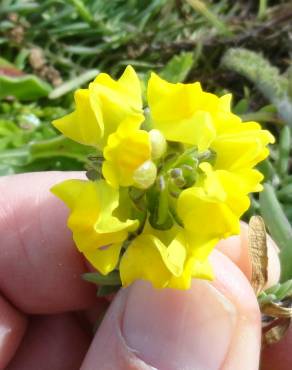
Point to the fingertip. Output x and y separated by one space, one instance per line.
12 328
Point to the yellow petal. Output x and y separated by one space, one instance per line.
221 194
142 260
68 191
236 192
206 220
128 86
170 102
118 100
101 108
127 149
104 259
176 110
225 103
202 270
194 268
91 218
82 125
241 147
147 258
211 183
230 188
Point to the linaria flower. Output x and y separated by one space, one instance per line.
166 194
97 232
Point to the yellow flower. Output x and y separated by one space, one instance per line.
202 189
101 108
187 114
127 150
161 257
176 112
98 233
242 145
211 209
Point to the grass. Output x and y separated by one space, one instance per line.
238 46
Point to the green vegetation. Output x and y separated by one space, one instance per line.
48 48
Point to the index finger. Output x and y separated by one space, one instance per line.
39 266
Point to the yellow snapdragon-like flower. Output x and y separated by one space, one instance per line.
187 114
162 257
169 183
98 233
101 108
211 209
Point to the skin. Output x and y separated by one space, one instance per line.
47 312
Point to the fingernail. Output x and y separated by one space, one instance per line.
171 330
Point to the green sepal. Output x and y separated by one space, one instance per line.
111 279
105 290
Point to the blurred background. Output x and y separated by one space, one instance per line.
49 48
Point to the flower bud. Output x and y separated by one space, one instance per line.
145 175
158 144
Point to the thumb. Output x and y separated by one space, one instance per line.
211 326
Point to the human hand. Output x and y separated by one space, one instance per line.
212 326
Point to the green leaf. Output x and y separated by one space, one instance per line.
59 147
82 10
285 194
268 170
73 84
177 69
28 87
284 151
276 293
279 228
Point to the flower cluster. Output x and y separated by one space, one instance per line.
169 180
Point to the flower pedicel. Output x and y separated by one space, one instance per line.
168 181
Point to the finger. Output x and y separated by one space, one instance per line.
12 328
90 319
278 356
236 248
40 268
211 326
52 342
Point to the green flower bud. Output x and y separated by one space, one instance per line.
158 144
145 175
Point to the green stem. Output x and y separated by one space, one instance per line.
263 6
82 10
163 202
201 8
